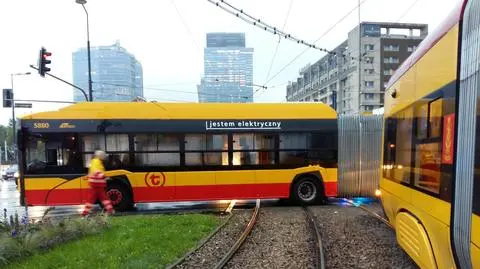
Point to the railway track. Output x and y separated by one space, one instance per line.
319 251
371 212
233 254
226 258
312 223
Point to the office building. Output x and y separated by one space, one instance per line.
116 74
334 79
228 70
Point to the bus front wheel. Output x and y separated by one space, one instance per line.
307 191
120 196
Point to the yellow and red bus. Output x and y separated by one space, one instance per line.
430 185
181 152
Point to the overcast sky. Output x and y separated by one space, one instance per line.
169 43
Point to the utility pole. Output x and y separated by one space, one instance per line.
359 183
14 126
90 92
359 60
6 151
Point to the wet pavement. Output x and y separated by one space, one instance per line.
10 201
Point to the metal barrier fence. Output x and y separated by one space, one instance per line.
359 154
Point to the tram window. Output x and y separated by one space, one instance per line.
389 146
428 168
476 196
421 114
435 118
403 147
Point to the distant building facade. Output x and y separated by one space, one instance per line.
228 70
116 74
334 79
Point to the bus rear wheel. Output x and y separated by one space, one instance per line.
120 196
307 191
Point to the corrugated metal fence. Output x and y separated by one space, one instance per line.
359 142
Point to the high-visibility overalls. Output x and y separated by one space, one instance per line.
97 183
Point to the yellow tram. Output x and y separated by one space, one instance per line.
430 185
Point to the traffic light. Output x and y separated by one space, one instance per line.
7 97
43 61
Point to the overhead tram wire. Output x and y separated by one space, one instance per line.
343 18
278 45
172 90
239 13
195 44
318 39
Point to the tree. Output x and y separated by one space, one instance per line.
6 134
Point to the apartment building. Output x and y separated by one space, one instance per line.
351 86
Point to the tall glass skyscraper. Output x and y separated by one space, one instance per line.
228 70
116 74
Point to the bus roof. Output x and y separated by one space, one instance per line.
450 21
142 110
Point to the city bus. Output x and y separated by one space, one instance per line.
430 185
166 152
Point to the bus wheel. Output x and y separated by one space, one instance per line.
120 197
307 191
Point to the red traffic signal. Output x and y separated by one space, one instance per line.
43 61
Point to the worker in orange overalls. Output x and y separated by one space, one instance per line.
97 183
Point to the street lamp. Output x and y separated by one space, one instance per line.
14 135
90 94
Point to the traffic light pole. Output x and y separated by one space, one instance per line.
14 136
66 82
